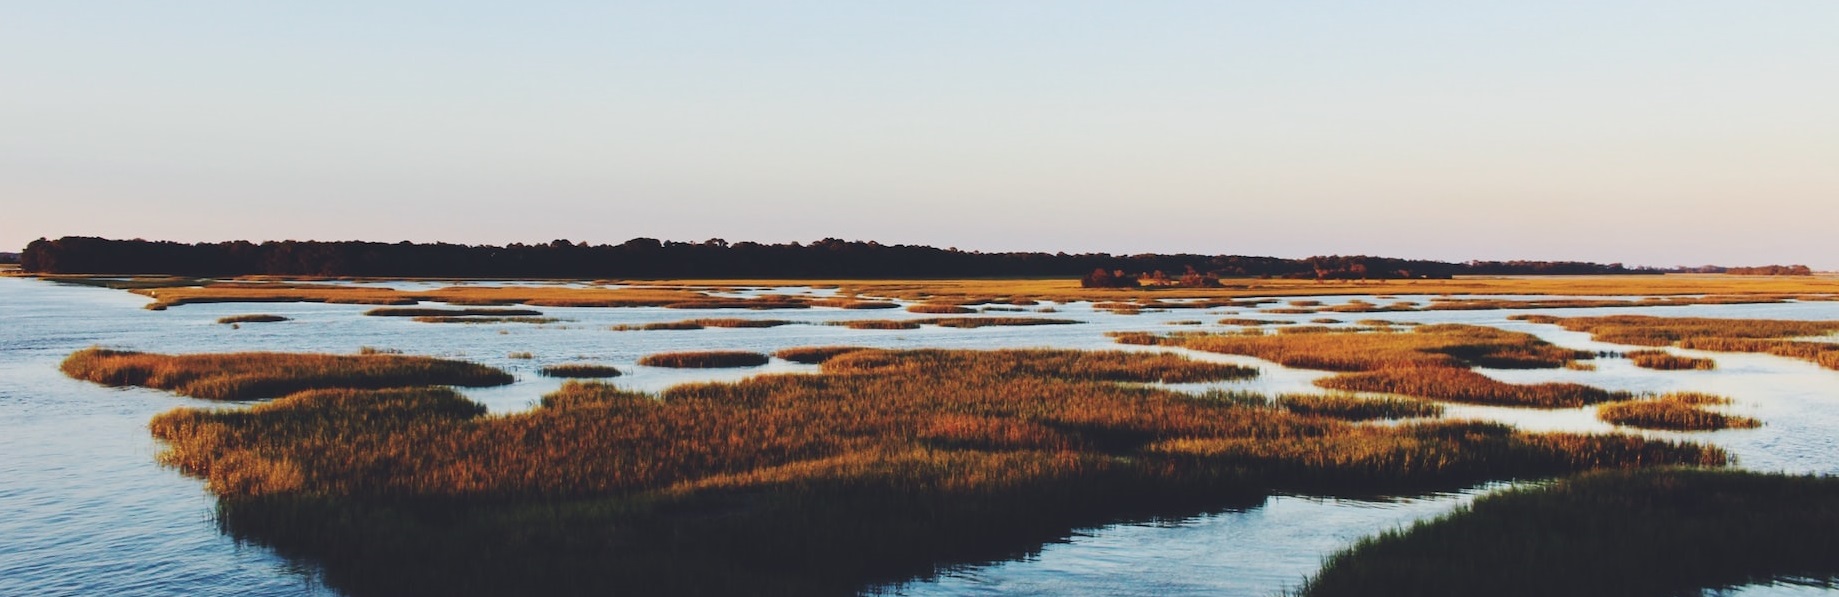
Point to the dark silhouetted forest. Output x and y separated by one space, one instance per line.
716 258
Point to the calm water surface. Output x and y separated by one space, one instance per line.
84 510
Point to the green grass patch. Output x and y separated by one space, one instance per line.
1651 533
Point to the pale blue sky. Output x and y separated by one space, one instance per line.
1662 133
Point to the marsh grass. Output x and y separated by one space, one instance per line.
853 303
1648 533
710 359
879 324
254 318
1660 359
940 309
950 322
485 319
254 375
1766 336
1684 411
1430 361
581 370
883 467
697 324
812 355
435 312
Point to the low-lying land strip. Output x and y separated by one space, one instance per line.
1659 290
1680 411
1431 361
253 375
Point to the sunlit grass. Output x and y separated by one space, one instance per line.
705 359
252 375
1768 336
880 468
434 312
1684 411
1660 359
812 355
1430 361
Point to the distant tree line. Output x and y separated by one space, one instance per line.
716 258
1771 270
9 258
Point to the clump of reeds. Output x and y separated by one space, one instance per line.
1660 359
705 359
1683 411
812 355
879 324
697 324
1608 534
253 375
433 312
939 308
581 370
488 319
255 318
977 322
854 303
522 355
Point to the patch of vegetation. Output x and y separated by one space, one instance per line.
884 467
256 318
1766 336
939 308
879 324
476 319
582 370
950 322
977 322
697 324
1430 361
434 312
1684 411
812 355
254 375
1660 359
1649 533
709 359
854 303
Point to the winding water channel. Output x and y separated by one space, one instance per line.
87 511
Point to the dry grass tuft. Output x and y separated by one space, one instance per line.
581 370
705 359
1676 412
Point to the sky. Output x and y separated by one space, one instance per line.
1676 132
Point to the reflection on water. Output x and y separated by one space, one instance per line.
88 511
